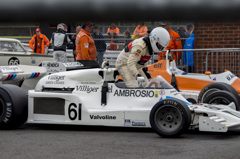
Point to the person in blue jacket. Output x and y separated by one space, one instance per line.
188 56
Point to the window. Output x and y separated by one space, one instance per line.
9 46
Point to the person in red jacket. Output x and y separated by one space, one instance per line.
39 42
86 52
175 42
113 32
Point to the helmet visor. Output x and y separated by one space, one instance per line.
159 46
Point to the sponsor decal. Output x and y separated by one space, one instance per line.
156 94
102 117
77 41
130 123
136 54
230 76
6 69
89 82
145 58
138 123
214 79
33 61
55 79
11 76
138 51
34 75
154 36
169 97
52 64
134 93
8 112
162 92
173 91
127 122
177 39
171 37
72 64
86 45
157 65
87 89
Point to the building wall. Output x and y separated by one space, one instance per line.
216 35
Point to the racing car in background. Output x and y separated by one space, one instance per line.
194 86
96 97
13 52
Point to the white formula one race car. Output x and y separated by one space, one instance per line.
95 97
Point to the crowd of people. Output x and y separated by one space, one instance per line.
90 44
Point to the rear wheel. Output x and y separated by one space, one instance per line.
13 106
222 97
170 118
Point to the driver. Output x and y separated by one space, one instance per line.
134 57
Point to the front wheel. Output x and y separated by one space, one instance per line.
214 87
222 97
170 118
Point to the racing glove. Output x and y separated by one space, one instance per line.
145 70
138 75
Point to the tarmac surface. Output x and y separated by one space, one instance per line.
90 142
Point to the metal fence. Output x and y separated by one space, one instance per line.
214 60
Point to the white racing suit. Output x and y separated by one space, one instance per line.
132 59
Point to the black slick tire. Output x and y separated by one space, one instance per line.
216 87
13 106
222 97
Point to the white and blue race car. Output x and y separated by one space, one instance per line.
96 97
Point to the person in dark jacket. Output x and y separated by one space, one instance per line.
127 36
60 41
188 56
99 43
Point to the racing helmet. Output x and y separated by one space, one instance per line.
62 27
159 39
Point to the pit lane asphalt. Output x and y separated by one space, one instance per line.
90 142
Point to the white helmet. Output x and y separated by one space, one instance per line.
159 39
62 27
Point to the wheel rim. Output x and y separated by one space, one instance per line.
209 92
168 118
1 108
219 100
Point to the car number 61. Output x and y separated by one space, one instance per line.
74 111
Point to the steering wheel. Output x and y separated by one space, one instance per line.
105 64
153 83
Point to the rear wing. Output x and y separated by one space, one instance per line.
21 72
